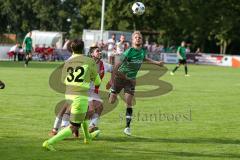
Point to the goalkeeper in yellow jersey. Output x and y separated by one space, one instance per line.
78 71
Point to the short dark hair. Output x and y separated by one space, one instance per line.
91 49
77 46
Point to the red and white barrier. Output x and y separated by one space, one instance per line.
208 59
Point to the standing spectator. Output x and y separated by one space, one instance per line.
49 52
20 54
65 46
198 51
146 45
110 47
120 48
14 51
27 44
188 50
54 53
101 45
154 47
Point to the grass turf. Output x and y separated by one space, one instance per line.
198 119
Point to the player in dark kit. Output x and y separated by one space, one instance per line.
182 59
27 44
124 75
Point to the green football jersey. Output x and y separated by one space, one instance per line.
182 51
78 72
132 60
28 43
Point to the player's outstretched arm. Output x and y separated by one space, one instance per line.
159 63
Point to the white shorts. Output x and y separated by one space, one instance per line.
110 53
117 58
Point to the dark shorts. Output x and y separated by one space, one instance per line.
27 52
120 84
182 61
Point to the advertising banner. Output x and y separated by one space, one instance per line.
208 59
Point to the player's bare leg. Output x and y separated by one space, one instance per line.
186 70
58 120
97 105
27 59
175 69
66 117
129 110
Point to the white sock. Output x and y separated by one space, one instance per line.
65 123
94 120
57 122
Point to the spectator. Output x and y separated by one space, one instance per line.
65 46
14 51
198 51
154 47
146 45
20 54
120 48
49 52
54 54
111 47
188 50
101 45
42 52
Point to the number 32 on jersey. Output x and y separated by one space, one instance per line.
75 75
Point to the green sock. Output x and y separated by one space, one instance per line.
66 132
85 129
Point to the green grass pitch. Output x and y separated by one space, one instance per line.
201 118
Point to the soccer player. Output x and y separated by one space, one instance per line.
124 75
78 72
182 59
27 44
62 118
94 101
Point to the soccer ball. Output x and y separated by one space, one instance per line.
138 8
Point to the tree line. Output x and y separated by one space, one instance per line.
211 25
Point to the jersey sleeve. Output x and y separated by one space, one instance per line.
178 49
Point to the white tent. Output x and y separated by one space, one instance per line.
47 38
